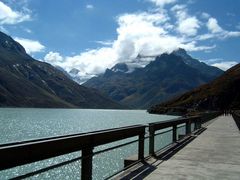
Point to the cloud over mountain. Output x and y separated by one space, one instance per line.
167 26
225 65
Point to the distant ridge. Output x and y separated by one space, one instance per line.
221 94
168 75
26 82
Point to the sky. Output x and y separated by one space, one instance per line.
92 35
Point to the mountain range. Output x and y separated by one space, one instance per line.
167 76
221 94
26 82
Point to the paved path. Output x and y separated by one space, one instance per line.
215 154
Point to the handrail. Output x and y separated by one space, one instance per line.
153 127
196 120
20 153
165 124
61 136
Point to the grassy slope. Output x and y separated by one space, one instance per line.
222 93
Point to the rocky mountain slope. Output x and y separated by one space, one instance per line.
26 82
167 76
221 94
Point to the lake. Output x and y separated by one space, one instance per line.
18 124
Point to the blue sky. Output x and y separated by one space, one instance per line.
92 35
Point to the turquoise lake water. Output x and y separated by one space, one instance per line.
18 124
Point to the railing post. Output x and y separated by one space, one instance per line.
200 122
174 135
141 147
188 127
87 156
197 123
151 140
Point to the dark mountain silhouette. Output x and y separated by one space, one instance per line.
26 82
165 77
221 94
201 66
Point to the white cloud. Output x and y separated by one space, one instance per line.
225 65
162 3
212 61
221 63
191 1
147 33
186 25
216 31
89 6
53 58
189 26
89 63
179 8
213 26
205 15
9 16
104 43
180 11
138 34
229 34
141 33
205 36
31 46
27 30
192 46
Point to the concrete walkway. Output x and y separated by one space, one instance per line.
214 154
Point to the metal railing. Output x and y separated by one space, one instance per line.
153 127
21 153
13 155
